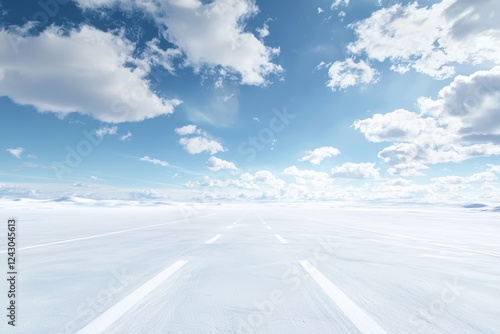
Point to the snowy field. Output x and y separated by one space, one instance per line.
253 268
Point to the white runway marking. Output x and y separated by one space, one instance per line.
280 238
264 223
106 319
358 317
229 227
101 235
269 227
211 241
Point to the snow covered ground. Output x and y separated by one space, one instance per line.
252 268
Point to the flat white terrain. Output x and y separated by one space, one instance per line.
252 268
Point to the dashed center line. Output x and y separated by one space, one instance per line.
358 317
280 238
269 227
229 227
211 241
106 319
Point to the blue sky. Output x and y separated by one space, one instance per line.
240 99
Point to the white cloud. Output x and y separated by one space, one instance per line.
347 73
317 155
200 143
126 137
16 151
320 10
210 34
338 3
187 130
264 31
145 194
308 176
101 132
265 176
462 123
349 170
195 145
154 161
83 70
215 165
431 39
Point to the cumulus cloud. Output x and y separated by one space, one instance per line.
264 31
215 165
187 130
349 170
305 176
462 123
347 73
154 161
126 137
337 3
16 151
209 34
195 145
145 194
200 143
317 155
83 70
103 131
431 39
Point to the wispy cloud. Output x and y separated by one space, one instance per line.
317 155
104 131
126 137
16 151
154 161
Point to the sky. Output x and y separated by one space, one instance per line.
189 100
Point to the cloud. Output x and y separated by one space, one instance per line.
209 34
82 70
154 161
431 39
200 143
268 178
195 145
126 137
462 123
215 165
81 185
351 170
308 176
317 155
320 10
347 73
187 130
16 191
263 32
145 194
16 151
338 3
101 132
